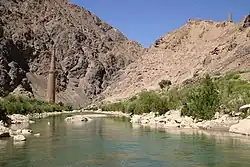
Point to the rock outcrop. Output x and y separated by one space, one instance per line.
88 51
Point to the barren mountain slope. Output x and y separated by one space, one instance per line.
197 47
89 52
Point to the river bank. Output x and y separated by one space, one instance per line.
217 103
173 119
170 120
113 113
20 123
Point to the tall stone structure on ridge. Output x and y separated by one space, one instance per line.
51 89
230 17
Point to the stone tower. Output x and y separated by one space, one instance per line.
230 17
51 89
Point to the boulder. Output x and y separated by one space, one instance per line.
187 122
19 126
217 115
19 138
217 125
171 124
180 120
37 134
136 118
245 107
152 121
144 121
150 115
228 121
77 118
4 132
19 131
162 117
18 118
15 132
31 122
243 127
26 131
173 115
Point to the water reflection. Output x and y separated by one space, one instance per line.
116 142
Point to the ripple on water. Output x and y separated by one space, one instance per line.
110 142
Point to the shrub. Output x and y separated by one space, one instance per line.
145 102
3 115
22 105
202 101
118 106
130 107
164 83
3 93
150 102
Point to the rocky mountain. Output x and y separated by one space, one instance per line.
198 47
88 51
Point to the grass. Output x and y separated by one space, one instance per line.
21 105
224 93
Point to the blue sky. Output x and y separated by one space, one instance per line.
147 20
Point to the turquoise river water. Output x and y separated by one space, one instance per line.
114 142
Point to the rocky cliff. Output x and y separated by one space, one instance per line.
93 59
89 52
198 47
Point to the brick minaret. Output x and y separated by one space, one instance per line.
51 89
230 17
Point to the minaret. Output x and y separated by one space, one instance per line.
230 17
51 91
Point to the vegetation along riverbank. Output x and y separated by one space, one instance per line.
206 102
11 104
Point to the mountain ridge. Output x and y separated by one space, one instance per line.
198 47
95 61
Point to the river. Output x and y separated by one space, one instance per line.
114 142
